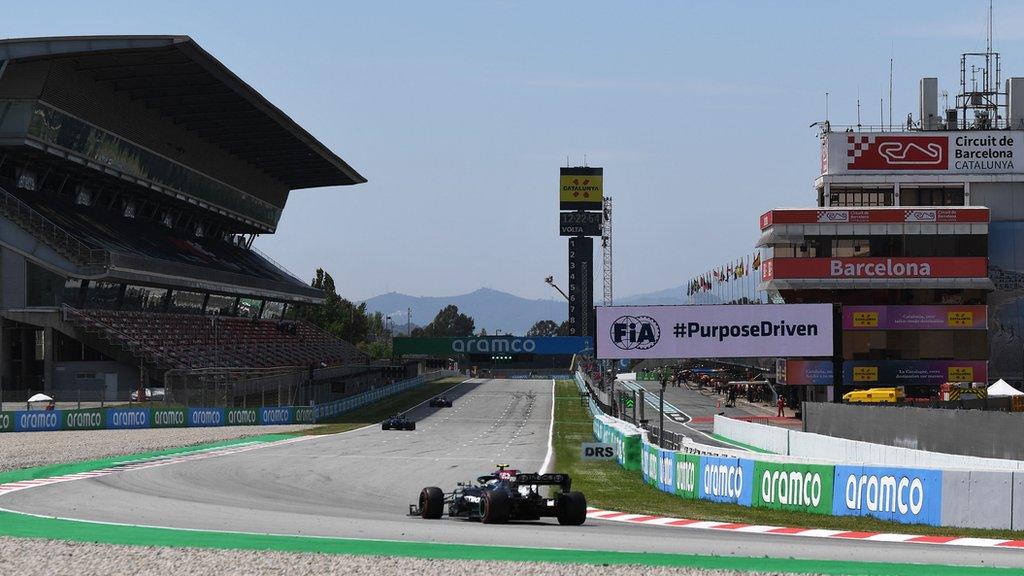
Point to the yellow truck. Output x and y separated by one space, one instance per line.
876 396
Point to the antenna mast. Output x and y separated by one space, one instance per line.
982 101
606 248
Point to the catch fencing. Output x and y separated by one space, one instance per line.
814 481
125 418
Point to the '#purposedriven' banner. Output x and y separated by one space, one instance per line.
714 331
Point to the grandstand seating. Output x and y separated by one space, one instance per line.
192 341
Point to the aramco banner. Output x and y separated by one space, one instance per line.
721 331
542 345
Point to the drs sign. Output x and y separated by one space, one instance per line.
597 451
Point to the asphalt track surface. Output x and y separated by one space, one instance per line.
359 485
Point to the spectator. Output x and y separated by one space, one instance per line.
781 403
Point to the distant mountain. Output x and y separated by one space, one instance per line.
497 310
491 309
675 295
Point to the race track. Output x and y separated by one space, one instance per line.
359 485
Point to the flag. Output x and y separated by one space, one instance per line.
757 261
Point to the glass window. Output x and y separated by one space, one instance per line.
944 196
144 298
273 310
220 304
187 302
73 292
102 295
43 287
60 129
248 307
860 196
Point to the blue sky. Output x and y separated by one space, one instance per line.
460 113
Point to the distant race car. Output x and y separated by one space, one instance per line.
440 402
505 495
398 422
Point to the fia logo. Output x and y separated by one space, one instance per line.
635 332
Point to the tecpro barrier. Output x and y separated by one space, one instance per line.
125 418
906 494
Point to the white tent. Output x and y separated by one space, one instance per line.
1001 388
40 398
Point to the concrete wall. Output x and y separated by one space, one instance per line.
66 387
770 438
12 279
964 432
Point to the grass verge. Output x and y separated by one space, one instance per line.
609 486
374 413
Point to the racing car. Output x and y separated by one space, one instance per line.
505 495
398 422
440 402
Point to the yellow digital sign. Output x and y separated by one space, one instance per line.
963 319
960 374
865 319
865 373
581 188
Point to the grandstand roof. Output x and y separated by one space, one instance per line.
174 76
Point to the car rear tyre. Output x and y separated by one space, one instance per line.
385 427
431 503
412 426
494 507
572 509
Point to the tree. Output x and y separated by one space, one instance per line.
543 328
448 322
337 315
563 329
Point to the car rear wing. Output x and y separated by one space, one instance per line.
561 480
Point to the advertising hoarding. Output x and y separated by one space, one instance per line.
804 372
36 420
910 496
732 331
960 215
541 345
724 479
799 487
974 152
870 267
580 188
687 475
953 317
90 419
169 418
128 418
871 373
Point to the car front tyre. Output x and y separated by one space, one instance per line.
431 503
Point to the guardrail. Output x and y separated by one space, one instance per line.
122 418
912 495
92 260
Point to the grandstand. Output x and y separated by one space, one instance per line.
135 173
